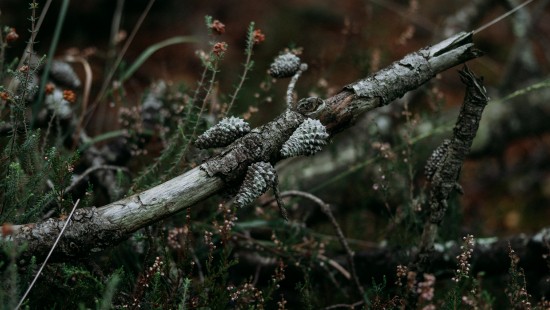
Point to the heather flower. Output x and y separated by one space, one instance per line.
258 36
218 27
50 87
69 95
4 95
219 48
11 36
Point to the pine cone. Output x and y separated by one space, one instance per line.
436 159
223 133
285 65
259 178
308 139
64 74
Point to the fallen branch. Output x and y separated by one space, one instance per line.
490 256
95 229
443 168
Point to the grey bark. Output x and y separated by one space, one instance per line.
451 157
491 256
95 229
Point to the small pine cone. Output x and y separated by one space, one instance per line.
308 139
436 159
64 74
284 66
259 178
223 133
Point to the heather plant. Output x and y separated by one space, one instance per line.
261 243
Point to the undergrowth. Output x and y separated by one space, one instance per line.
214 256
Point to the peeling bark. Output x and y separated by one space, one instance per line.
394 81
97 229
450 157
261 144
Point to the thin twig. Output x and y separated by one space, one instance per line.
346 306
91 170
48 129
2 51
48 257
501 17
211 83
277 194
332 277
115 29
335 265
292 84
30 43
326 209
49 57
205 99
86 95
199 87
112 71
247 66
446 162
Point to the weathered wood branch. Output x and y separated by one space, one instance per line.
94 229
490 255
447 170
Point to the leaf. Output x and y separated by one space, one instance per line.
150 51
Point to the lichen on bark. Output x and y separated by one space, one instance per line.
261 144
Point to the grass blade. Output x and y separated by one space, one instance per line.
151 50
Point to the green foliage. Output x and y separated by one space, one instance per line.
184 299
173 159
10 276
110 290
206 258
150 51
305 290
74 286
516 290
60 167
177 146
52 49
25 189
247 66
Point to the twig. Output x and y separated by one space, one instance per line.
335 265
48 129
292 84
346 306
89 171
521 63
28 49
280 204
3 47
247 65
501 17
465 17
446 169
112 71
86 95
326 209
49 57
67 221
112 223
115 29
206 97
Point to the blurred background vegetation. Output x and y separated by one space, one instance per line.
371 175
